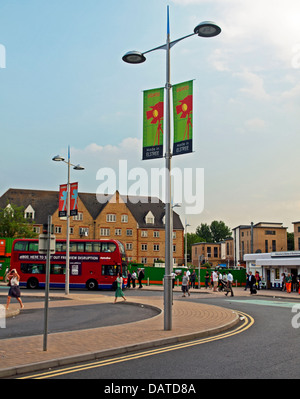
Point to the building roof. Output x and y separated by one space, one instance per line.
46 202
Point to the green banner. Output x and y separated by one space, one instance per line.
153 118
183 118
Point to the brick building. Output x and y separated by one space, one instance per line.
263 237
220 253
138 222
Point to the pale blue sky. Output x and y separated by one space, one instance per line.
66 84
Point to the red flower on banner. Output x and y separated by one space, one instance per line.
186 106
157 114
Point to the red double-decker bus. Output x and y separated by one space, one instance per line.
94 264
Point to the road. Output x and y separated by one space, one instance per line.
270 348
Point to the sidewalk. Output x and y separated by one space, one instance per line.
189 321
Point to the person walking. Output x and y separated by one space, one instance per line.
229 283
119 292
288 283
141 275
185 284
193 279
14 289
133 278
207 279
252 282
215 280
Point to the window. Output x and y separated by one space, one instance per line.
105 232
174 248
83 231
144 233
33 246
124 218
129 246
209 252
270 232
149 218
174 235
29 212
144 247
110 270
216 252
110 217
156 247
118 232
274 245
156 234
108 247
144 261
79 216
58 230
36 229
60 246
266 245
129 232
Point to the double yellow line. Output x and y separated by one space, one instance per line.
247 323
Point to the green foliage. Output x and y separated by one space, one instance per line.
14 224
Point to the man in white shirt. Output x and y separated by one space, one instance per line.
215 280
229 283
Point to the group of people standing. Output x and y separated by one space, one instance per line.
290 282
219 281
132 277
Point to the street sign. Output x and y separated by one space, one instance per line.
43 239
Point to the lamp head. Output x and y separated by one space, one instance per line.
58 158
207 29
78 167
134 57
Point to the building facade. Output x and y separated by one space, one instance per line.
138 222
263 237
215 254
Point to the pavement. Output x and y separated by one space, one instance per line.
190 320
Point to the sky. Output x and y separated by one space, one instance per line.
63 83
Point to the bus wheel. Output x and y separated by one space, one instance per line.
33 283
91 285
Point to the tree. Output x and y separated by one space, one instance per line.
191 239
14 224
204 232
290 241
216 232
219 231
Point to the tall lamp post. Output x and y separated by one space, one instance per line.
204 29
58 158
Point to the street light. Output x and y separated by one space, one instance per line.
185 256
204 29
59 158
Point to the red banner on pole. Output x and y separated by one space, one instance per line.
63 200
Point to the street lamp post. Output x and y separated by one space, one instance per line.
185 255
204 29
58 158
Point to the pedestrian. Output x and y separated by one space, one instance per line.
288 283
258 280
128 279
133 278
247 282
119 292
215 280
193 279
14 288
185 284
252 282
229 284
141 275
173 279
207 279
283 280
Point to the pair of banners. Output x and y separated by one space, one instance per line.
182 119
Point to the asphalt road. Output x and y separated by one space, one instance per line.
269 349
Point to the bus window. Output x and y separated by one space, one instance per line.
21 246
57 269
109 270
33 246
32 268
108 247
73 247
121 247
60 247
96 246
88 247
80 247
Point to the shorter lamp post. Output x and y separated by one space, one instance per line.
58 158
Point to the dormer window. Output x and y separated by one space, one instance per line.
29 212
149 218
